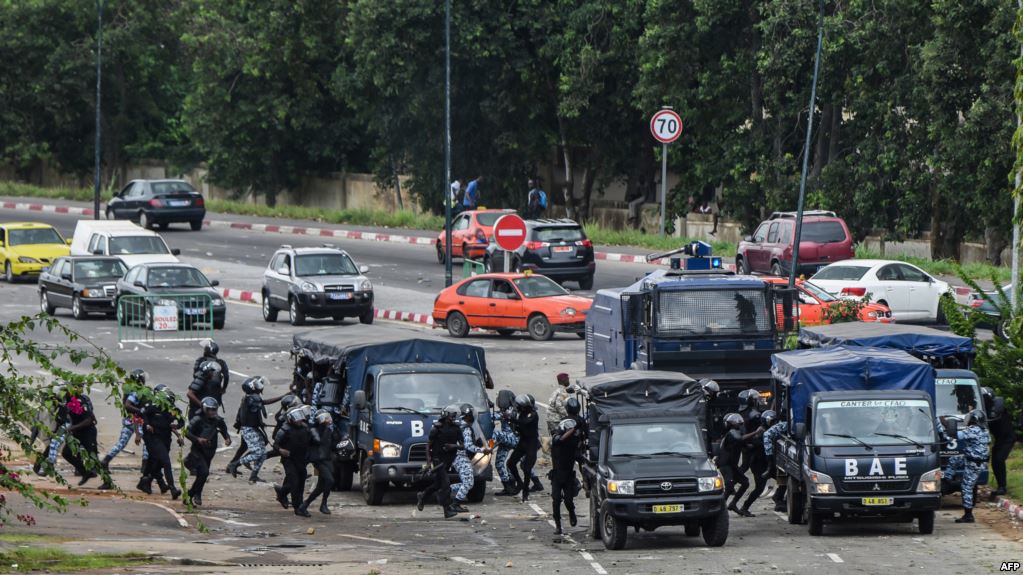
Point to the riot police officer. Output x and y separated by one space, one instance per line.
1004 435
469 446
775 429
292 441
161 419
249 422
711 390
564 450
324 436
505 440
442 445
329 393
754 457
974 441
526 423
202 432
209 353
728 457
208 382
130 424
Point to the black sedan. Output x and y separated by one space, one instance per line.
85 284
149 286
158 203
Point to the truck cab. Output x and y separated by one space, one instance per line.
862 440
647 464
392 393
957 393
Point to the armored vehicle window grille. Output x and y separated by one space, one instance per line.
713 312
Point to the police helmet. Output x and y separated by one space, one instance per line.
289 401
987 393
532 400
138 376
769 418
566 424
710 387
209 368
975 417
749 398
733 421
450 412
209 403
298 414
466 410
323 417
253 385
211 349
160 388
572 406
522 401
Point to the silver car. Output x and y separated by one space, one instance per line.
316 282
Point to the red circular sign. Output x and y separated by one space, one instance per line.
666 126
510 232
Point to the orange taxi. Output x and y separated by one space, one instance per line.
813 300
470 234
508 303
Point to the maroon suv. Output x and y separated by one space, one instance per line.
825 240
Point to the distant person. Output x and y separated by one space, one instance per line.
536 201
472 194
455 194
1004 435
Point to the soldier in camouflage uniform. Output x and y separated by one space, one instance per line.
974 441
556 404
463 459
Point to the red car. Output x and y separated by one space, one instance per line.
825 239
470 233
813 300
508 303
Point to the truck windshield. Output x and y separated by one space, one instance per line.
956 396
655 439
429 391
873 422
713 312
129 245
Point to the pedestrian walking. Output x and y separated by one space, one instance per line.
505 440
471 199
536 201
202 432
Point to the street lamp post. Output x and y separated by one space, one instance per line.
99 84
447 143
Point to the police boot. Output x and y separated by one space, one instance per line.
733 506
175 493
509 489
449 513
557 525
162 485
254 478
145 464
572 519
145 485
232 468
536 486
301 511
324 509
745 512
420 501
106 468
967 517
457 507
282 497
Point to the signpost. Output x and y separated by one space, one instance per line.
666 127
509 234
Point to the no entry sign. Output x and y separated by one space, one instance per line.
510 232
666 126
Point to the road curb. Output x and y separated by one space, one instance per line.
1014 510
385 314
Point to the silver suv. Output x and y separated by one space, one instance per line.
316 282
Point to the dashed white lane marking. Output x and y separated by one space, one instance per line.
143 344
382 541
463 560
781 516
586 556
834 557
597 567
181 520
537 508
238 373
230 521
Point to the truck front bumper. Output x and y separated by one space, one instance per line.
639 510
413 472
901 504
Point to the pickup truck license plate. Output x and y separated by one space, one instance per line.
668 508
341 295
875 501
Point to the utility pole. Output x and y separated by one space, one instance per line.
447 143
1014 297
99 83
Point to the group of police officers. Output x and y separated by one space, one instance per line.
306 435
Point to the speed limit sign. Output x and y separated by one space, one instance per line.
666 126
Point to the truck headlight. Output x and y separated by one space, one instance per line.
569 311
821 484
309 287
624 487
930 482
28 260
716 483
366 285
390 450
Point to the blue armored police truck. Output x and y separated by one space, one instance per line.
861 439
957 387
390 393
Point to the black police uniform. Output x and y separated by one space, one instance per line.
85 434
296 440
728 464
200 457
754 459
323 438
203 388
1002 430
225 374
443 445
527 426
158 444
564 451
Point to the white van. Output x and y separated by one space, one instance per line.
123 239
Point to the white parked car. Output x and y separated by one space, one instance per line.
911 293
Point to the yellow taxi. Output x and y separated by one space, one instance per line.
26 248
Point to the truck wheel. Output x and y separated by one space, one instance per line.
594 529
372 491
814 520
692 529
925 521
795 503
478 491
344 474
715 529
613 531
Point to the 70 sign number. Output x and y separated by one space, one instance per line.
666 126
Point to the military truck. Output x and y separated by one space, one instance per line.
646 463
861 438
390 393
957 387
